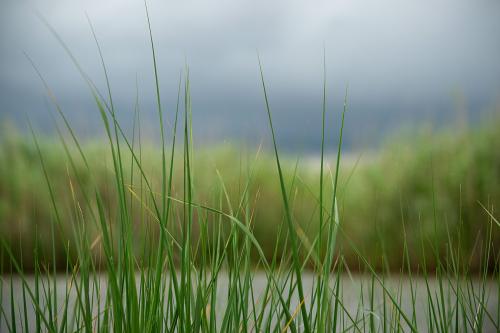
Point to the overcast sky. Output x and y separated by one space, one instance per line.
404 61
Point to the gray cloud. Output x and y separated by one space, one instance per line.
403 60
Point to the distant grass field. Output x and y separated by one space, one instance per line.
423 189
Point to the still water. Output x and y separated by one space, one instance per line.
354 295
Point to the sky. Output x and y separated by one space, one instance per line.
403 64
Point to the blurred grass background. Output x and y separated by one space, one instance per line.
420 188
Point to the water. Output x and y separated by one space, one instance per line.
354 294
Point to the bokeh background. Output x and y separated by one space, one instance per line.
421 157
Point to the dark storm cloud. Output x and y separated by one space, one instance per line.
402 59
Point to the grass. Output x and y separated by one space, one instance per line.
149 239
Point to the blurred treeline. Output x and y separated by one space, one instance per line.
428 191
